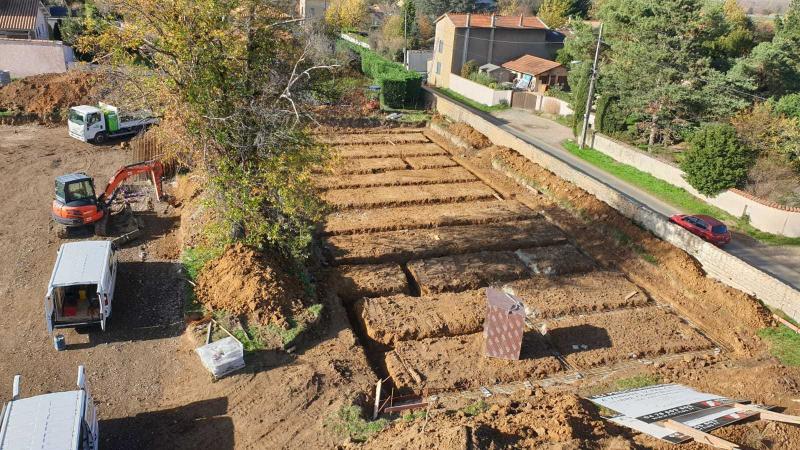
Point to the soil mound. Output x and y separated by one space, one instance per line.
50 96
245 282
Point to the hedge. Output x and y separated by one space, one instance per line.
399 87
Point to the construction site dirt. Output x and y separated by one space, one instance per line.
402 289
603 298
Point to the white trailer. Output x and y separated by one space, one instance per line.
99 123
81 288
55 421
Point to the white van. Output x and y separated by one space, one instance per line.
81 288
59 420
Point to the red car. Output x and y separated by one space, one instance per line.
708 228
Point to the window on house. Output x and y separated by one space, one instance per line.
438 68
441 45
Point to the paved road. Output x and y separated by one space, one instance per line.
781 262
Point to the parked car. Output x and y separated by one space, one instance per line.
707 227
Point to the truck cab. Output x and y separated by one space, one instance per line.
75 201
86 122
81 288
97 124
59 420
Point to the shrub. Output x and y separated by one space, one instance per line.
789 105
399 87
716 159
469 68
484 79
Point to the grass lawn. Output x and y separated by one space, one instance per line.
469 102
672 194
784 344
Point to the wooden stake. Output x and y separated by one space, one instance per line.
787 323
377 399
700 436
765 414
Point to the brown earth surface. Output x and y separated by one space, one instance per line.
391 150
388 320
396 178
49 96
424 216
612 337
555 260
458 363
354 282
398 137
469 135
402 246
243 281
577 294
407 195
456 273
368 165
430 162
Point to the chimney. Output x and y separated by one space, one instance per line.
521 16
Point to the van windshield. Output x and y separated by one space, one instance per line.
719 229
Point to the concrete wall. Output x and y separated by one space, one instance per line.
23 57
353 40
765 217
417 60
717 263
478 92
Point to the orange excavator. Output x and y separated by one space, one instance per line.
77 205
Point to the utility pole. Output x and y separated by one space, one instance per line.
405 36
590 98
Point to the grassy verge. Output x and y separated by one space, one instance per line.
349 422
469 102
193 260
6 113
672 194
476 408
784 344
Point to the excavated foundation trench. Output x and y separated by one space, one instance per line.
416 236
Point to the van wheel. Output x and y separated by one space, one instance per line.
100 138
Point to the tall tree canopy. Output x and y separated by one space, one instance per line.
658 64
230 79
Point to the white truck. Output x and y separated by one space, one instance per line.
81 289
97 124
59 420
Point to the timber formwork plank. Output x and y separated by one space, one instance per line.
402 246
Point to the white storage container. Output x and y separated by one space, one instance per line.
222 357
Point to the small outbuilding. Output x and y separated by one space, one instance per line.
537 74
496 72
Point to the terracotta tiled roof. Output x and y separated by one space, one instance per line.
530 64
18 14
485 21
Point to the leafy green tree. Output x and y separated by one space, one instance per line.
435 8
579 45
411 28
555 12
789 105
774 66
660 74
232 80
716 159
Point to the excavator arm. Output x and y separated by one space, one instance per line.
154 168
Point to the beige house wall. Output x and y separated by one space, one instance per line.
312 9
442 61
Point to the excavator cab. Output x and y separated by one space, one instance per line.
75 202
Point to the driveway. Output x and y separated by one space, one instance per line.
778 261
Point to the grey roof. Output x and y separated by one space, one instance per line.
43 422
70 177
81 263
18 14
